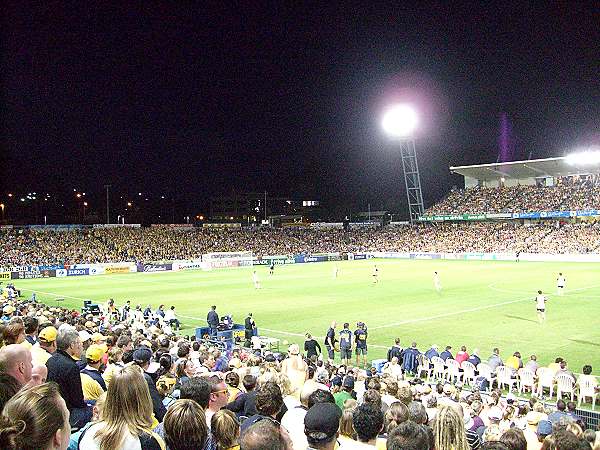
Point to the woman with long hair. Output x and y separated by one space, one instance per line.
449 430
35 418
126 420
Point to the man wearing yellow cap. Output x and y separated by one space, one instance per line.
92 383
45 347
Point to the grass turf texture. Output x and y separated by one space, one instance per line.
482 304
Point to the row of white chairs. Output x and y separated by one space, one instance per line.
522 380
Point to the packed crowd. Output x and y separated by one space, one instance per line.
124 379
569 194
34 247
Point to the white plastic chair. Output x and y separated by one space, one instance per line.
453 370
545 380
565 385
439 369
505 377
468 372
423 366
587 389
485 371
526 380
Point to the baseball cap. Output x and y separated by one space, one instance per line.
94 353
9 309
97 337
48 334
89 324
142 355
84 335
544 427
322 421
336 381
348 382
495 413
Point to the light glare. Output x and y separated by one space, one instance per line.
400 121
584 158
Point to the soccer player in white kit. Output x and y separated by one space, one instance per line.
437 283
540 305
255 280
561 282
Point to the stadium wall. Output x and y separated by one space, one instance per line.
49 271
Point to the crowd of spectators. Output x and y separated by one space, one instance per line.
120 381
569 194
35 247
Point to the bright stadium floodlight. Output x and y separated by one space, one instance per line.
584 158
400 121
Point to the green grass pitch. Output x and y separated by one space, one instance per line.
482 304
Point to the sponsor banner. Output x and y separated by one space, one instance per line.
6 227
419 255
277 259
117 225
221 225
154 267
327 225
51 267
499 216
187 265
28 274
119 269
299 259
64 227
5 276
77 272
452 217
60 273
354 225
172 225
357 256
395 255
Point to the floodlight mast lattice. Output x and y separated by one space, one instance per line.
399 122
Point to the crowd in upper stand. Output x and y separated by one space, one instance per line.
569 194
126 380
31 247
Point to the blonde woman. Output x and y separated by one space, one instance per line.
225 430
347 434
35 418
295 368
115 362
126 420
449 430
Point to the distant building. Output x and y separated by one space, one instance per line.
254 207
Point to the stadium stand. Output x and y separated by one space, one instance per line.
385 409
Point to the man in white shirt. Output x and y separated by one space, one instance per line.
437 283
255 280
540 304
171 318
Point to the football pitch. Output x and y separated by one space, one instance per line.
481 305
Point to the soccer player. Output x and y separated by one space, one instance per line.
346 344
561 281
437 283
360 340
540 304
272 268
336 271
375 274
255 280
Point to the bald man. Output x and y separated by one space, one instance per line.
39 374
15 360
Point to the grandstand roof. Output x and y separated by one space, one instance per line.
534 168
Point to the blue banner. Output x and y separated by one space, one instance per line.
299 259
77 272
51 267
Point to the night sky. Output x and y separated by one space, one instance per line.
193 102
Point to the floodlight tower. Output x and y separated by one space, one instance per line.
400 122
